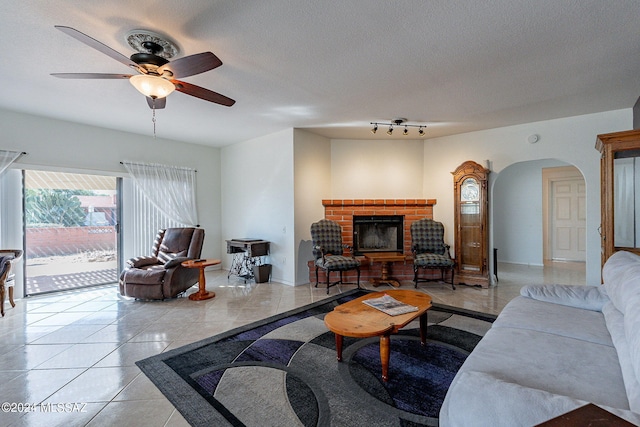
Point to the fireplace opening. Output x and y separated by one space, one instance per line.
378 233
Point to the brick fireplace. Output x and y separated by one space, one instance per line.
343 211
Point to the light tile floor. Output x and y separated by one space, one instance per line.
77 350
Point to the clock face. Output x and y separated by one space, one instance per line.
469 191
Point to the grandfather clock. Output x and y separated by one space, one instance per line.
471 224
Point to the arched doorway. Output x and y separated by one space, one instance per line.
523 211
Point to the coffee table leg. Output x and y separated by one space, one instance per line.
423 328
385 351
339 340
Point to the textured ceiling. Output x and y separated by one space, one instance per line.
330 66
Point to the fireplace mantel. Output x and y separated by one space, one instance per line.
342 211
379 203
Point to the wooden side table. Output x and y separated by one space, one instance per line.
201 264
587 415
385 258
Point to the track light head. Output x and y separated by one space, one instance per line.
398 123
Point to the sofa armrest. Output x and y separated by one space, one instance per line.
579 296
175 261
142 261
477 398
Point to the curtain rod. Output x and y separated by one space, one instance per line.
147 164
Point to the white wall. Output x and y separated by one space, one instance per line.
517 213
312 171
257 198
571 140
58 145
377 169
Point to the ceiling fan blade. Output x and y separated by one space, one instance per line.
157 103
202 93
192 65
90 76
98 46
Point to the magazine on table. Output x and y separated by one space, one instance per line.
390 305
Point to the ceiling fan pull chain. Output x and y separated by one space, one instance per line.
153 117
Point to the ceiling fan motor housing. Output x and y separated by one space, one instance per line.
148 59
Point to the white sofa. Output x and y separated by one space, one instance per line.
553 349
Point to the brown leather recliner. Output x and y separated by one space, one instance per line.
161 275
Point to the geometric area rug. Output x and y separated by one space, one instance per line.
282 371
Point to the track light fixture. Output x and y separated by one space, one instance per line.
399 122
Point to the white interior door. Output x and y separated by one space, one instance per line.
567 223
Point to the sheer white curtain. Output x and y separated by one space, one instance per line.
8 157
144 224
171 189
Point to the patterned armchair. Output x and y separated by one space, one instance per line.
328 251
430 252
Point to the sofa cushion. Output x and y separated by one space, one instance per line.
545 361
506 403
621 276
579 296
557 319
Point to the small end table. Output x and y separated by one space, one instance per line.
587 415
385 258
201 264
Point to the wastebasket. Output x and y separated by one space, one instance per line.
262 273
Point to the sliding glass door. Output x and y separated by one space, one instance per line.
71 230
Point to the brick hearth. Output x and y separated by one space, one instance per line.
342 211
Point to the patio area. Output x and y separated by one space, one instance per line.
67 272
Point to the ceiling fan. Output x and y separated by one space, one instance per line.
157 75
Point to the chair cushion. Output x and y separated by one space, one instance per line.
432 261
150 275
337 262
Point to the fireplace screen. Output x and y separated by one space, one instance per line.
378 233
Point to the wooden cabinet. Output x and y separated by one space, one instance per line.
619 192
471 224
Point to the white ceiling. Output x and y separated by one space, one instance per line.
330 66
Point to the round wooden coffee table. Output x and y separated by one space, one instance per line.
358 320
201 264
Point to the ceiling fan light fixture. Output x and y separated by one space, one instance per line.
152 86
